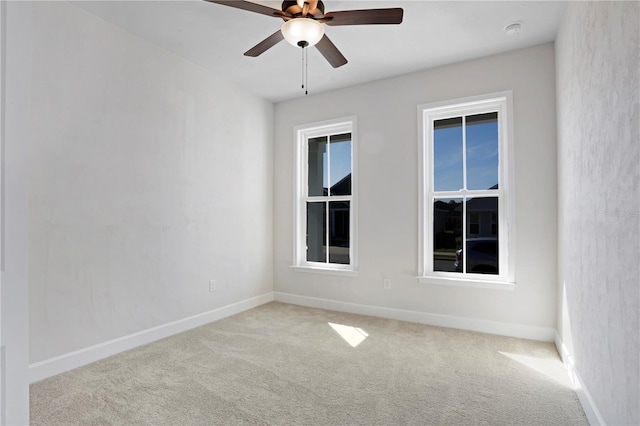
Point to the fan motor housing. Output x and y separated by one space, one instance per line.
291 8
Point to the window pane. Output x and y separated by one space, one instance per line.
316 232
317 166
340 164
482 151
447 234
482 249
339 232
447 154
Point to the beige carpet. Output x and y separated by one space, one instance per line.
285 364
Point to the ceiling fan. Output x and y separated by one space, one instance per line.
304 27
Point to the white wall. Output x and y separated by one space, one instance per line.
148 177
599 204
388 189
17 37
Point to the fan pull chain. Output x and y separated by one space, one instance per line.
306 71
305 68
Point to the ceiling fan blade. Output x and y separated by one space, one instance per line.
265 44
364 17
331 52
251 7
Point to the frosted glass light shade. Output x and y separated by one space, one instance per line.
302 29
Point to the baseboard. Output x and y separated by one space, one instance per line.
53 366
545 334
588 404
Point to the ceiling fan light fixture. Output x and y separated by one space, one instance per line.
303 32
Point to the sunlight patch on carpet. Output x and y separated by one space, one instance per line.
352 335
552 368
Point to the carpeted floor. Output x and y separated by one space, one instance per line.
286 364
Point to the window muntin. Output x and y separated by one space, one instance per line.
464 203
325 229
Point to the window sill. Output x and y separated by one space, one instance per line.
467 283
326 271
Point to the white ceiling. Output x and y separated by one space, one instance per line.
433 33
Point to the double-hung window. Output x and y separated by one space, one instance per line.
325 205
466 216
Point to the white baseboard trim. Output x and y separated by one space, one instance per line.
53 366
586 400
545 334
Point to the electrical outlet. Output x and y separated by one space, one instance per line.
386 283
213 286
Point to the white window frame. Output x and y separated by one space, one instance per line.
496 102
300 137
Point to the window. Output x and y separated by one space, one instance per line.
325 197
466 197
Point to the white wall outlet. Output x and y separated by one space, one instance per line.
386 283
213 286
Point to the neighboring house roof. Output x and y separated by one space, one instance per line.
342 187
483 204
479 204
